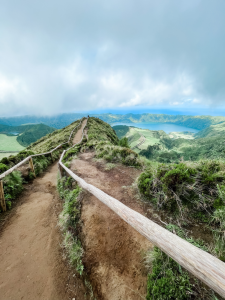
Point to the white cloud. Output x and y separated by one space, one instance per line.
88 55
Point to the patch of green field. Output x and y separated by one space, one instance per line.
151 137
9 143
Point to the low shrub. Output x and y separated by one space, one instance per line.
168 280
41 163
178 188
13 185
69 221
113 153
3 168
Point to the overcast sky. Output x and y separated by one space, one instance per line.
63 56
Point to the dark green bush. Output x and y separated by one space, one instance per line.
179 187
167 280
124 142
13 185
3 168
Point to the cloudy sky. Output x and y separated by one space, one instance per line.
68 56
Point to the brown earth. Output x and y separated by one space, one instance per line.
78 135
113 249
32 265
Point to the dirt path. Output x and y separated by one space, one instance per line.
31 265
78 135
113 249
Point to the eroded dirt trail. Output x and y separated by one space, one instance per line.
31 265
113 249
78 135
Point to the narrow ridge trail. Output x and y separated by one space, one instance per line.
32 265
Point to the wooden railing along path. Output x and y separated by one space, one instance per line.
29 158
201 264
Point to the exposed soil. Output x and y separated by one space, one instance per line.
78 135
32 265
32 262
113 249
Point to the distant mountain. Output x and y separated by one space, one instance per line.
60 121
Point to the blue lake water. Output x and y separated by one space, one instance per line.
159 126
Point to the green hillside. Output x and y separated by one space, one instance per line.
212 131
197 122
34 133
188 197
26 134
174 147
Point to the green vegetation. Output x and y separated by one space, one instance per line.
5 154
212 131
9 143
52 140
103 139
187 189
124 142
121 130
33 134
69 221
24 134
13 186
188 193
13 183
60 121
168 280
163 148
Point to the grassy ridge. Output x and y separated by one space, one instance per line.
52 140
33 134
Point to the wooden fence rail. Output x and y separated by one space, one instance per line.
201 264
29 158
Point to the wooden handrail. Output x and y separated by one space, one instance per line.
35 155
201 264
29 158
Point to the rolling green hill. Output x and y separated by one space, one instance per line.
34 133
169 148
212 131
15 138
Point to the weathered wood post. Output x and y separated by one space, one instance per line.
60 171
2 197
32 166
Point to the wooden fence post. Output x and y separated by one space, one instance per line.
60 171
2 197
32 166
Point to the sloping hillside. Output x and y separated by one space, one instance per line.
108 259
212 131
26 134
33 134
